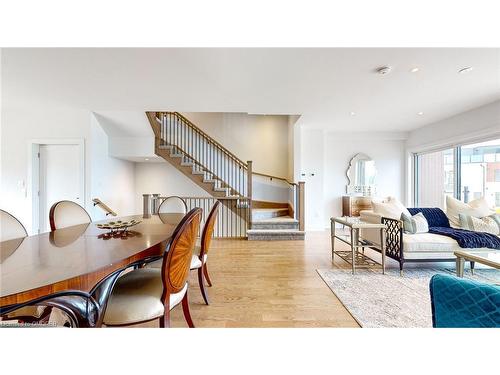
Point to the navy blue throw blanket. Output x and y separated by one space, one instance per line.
435 216
439 224
469 239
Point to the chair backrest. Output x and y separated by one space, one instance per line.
66 213
462 303
173 205
10 227
208 229
177 261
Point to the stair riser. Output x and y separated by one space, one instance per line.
276 237
275 226
256 215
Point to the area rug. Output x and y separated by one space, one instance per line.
385 301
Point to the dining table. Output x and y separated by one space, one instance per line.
79 257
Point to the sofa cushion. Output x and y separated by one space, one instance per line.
428 243
392 208
486 224
415 224
454 207
435 216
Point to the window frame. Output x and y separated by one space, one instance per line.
457 164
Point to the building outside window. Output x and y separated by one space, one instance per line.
478 167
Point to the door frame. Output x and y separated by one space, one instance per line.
34 173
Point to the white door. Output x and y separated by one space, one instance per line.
60 178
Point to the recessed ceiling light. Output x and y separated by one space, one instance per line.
146 159
465 70
414 70
420 113
352 113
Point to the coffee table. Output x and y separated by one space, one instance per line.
353 239
488 257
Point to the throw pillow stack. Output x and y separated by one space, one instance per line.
475 215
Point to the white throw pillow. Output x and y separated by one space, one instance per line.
415 224
391 209
477 208
488 224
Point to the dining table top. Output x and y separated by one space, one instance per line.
77 257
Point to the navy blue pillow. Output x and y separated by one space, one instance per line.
435 216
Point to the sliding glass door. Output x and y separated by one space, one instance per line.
435 176
480 172
465 172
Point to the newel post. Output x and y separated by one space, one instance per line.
146 206
249 192
301 205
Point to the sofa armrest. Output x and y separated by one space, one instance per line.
370 217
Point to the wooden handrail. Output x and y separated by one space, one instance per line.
276 177
217 144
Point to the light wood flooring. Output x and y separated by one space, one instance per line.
267 284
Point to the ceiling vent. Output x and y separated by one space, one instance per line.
383 70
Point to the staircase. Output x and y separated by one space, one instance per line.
224 176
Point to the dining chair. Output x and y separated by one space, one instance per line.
147 294
73 309
67 213
199 258
10 227
173 205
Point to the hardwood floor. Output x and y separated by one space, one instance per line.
266 284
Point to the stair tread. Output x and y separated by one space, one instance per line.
275 231
276 220
269 209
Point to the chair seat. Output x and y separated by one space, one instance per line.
136 298
195 261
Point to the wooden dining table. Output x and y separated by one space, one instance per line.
77 257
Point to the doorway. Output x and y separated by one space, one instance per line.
60 176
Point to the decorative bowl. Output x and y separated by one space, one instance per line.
118 224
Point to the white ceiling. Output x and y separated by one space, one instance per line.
323 85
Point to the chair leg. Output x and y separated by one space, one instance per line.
472 267
205 272
201 282
165 320
185 310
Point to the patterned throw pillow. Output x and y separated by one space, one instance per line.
415 224
488 224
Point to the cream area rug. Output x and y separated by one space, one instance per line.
391 300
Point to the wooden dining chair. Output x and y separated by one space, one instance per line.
200 255
147 294
10 227
199 259
67 213
173 205
74 306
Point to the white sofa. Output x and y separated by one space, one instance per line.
421 247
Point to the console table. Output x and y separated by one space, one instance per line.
354 240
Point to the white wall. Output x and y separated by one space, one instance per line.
312 166
262 139
112 180
388 151
163 178
327 155
469 126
